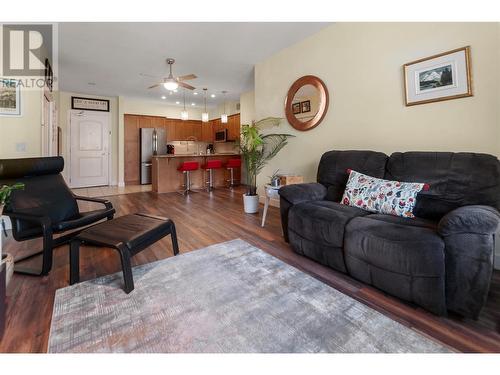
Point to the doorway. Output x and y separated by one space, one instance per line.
89 148
49 126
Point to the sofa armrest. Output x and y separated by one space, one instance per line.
298 193
470 219
294 194
469 236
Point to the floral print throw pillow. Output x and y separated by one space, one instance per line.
381 196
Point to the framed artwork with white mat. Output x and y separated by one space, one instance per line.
440 77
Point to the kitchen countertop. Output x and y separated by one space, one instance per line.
195 155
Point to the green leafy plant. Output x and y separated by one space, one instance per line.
274 176
257 148
6 191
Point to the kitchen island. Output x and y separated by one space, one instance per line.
167 179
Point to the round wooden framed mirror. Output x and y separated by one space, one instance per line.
306 103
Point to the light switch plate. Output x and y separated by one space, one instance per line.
21 147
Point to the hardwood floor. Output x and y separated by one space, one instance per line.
203 219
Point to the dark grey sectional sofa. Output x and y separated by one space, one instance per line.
441 260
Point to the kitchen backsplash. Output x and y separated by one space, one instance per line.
200 148
225 147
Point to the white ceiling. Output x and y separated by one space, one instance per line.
111 56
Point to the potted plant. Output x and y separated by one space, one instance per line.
5 192
256 150
274 179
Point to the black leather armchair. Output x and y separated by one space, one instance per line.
45 207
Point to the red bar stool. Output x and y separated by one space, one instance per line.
231 165
186 168
210 166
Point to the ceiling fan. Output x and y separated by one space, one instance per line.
172 83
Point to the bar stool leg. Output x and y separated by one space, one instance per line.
210 179
231 179
188 182
184 191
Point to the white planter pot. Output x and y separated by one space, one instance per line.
251 203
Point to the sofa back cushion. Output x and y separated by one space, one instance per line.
455 179
332 170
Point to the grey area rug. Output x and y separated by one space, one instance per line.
229 297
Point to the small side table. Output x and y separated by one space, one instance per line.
271 192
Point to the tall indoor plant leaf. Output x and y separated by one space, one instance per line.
257 148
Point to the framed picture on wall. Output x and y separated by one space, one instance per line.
296 108
305 106
10 98
440 77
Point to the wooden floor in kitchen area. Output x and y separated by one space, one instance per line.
204 219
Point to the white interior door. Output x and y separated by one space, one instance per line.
89 149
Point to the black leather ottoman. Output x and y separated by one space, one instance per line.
128 234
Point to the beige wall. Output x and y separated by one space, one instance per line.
361 64
216 111
64 104
247 107
23 129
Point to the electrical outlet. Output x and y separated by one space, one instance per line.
20 147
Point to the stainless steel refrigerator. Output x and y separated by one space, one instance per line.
153 142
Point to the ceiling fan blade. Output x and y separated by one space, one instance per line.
185 85
187 77
152 87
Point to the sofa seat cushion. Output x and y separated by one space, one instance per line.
403 257
322 222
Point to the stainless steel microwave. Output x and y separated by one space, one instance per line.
221 136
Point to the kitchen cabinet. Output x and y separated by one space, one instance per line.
171 131
185 130
207 132
233 127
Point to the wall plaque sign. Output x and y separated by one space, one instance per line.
90 104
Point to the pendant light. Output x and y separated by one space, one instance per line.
184 113
223 117
204 115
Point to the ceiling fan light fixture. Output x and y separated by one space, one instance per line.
171 85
